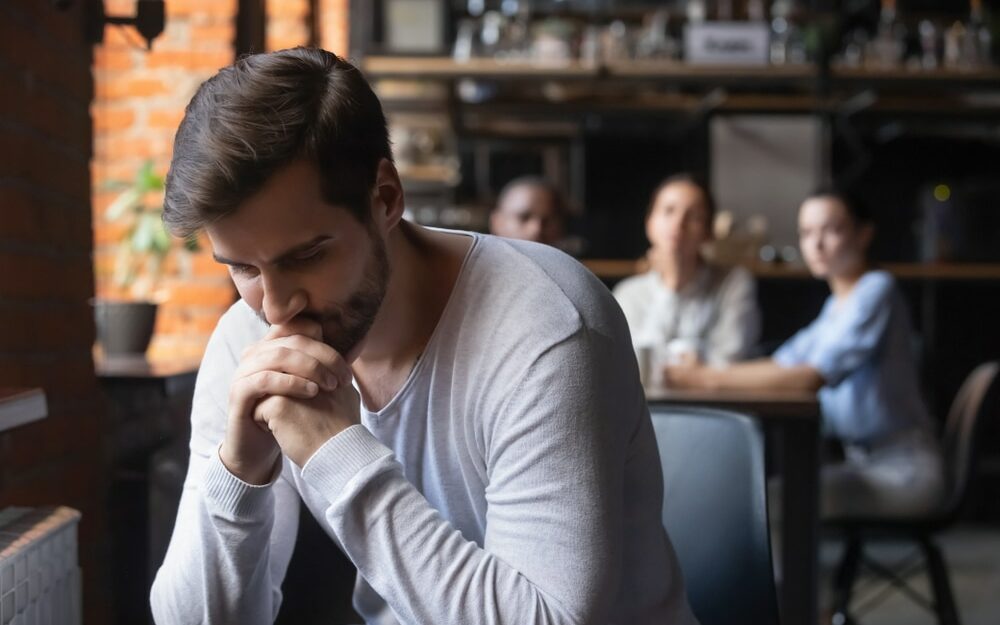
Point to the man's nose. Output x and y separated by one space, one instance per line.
282 301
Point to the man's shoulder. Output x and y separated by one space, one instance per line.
528 251
538 279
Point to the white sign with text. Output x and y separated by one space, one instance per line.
727 43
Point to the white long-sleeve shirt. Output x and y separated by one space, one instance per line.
717 311
514 478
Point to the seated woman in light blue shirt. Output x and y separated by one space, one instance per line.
857 354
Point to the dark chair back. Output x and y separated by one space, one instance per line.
974 401
715 511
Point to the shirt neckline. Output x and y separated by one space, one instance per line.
431 345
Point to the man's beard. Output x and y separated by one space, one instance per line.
345 325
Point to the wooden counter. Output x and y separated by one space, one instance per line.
615 269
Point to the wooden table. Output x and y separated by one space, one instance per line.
793 419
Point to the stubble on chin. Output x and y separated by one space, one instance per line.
344 326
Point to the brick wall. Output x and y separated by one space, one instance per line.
333 22
140 98
288 24
46 322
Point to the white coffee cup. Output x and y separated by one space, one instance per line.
644 356
681 351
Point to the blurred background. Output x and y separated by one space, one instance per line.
767 99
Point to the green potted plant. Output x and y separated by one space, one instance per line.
125 323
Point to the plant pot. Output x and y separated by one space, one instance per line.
124 327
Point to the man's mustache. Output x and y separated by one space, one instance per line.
307 315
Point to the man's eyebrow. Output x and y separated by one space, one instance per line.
282 257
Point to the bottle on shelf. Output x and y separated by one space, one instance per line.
654 42
490 34
886 49
615 42
467 42
696 11
980 41
855 46
928 45
464 46
517 32
787 41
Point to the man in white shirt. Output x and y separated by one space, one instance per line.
461 413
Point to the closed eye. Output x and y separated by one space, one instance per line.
304 260
242 270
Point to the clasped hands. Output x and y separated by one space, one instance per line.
290 394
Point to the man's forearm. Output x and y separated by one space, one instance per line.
424 568
218 568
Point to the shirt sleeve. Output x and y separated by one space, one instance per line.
232 541
843 340
553 526
793 352
737 327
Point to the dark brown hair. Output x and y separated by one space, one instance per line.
264 112
693 180
859 210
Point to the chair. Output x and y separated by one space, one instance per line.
715 511
975 400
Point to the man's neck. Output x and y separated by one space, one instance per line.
424 268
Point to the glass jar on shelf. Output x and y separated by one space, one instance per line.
886 49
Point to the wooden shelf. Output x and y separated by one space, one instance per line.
429 174
439 67
574 110
660 69
945 271
442 67
614 269
988 77
524 128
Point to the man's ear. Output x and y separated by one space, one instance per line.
388 204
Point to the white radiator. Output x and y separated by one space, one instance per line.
39 570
